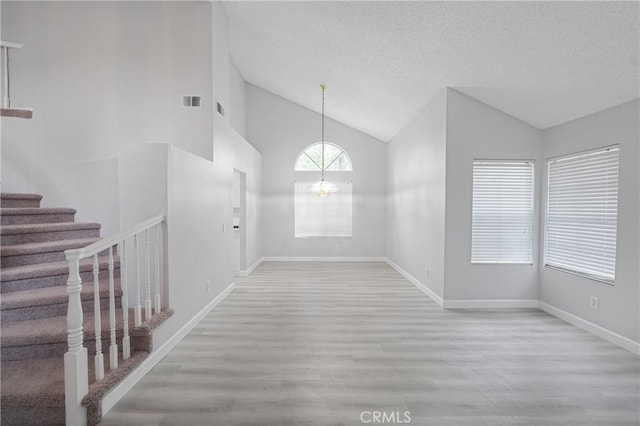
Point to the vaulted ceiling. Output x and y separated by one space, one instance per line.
543 62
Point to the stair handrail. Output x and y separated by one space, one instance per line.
105 243
76 365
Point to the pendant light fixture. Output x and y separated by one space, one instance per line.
323 188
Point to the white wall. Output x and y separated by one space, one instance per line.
237 100
221 67
416 194
477 131
231 148
281 129
619 304
197 196
100 75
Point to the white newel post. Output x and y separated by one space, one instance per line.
76 375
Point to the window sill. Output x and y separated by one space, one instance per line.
321 237
582 275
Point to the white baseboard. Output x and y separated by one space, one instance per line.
490 304
321 259
595 329
116 394
426 290
592 328
250 269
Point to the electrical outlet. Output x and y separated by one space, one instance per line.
594 302
208 286
224 227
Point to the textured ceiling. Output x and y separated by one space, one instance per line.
543 62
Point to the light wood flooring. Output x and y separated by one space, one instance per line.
319 343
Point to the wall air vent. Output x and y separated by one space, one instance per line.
191 101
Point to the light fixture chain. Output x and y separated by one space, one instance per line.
323 87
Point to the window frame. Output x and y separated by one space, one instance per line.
582 274
532 210
304 152
339 177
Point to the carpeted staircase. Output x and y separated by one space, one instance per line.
33 305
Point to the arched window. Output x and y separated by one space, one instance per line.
335 159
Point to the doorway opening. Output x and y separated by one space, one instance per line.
239 248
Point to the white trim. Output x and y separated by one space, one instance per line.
11 44
118 392
322 259
426 290
250 269
592 328
490 304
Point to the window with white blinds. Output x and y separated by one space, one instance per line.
502 223
582 214
323 217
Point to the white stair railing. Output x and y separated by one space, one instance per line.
138 308
76 359
147 301
99 360
6 45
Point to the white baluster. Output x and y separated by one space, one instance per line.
113 348
158 299
99 358
76 374
124 301
137 308
147 301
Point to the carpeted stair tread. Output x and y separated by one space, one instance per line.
27 215
41 381
20 200
22 272
53 295
54 329
47 227
20 196
21 211
45 247
55 230
40 252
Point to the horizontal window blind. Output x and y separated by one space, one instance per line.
323 217
582 213
502 225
